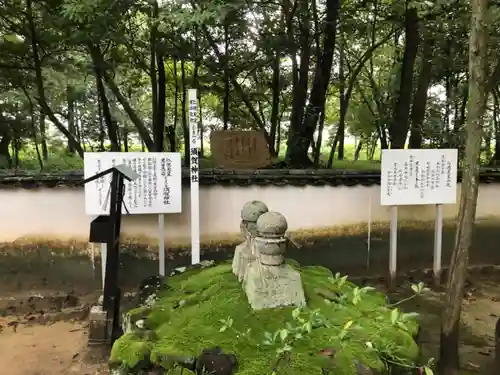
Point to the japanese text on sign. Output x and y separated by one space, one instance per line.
411 177
193 137
157 190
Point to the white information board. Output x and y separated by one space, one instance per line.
420 176
158 189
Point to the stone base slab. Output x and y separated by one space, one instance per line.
273 286
99 327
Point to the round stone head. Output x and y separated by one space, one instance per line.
250 213
272 225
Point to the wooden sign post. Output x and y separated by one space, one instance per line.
194 166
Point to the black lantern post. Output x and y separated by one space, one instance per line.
106 229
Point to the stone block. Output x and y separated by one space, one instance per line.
242 258
99 327
275 286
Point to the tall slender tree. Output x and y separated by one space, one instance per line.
449 358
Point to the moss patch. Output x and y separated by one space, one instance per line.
356 322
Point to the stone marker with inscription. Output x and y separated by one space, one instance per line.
243 254
239 149
269 281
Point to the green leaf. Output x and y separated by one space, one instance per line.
428 371
308 326
394 316
12 38
296 313
408 316
283 334
348 325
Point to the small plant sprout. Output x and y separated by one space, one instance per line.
358 293
401 319
428 367
338 280
226 324
417 289
345 330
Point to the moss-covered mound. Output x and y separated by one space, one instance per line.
205 308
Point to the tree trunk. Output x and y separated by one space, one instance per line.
496 112
356 69
420 98
196 85
201 128
35 138
134 117
185 127
399 126
42 100
71 116
359 147
297 144
319 141
301 133
5 158
162 103
449 357
102 131
342 100
33 127
154 74
238 89
172 129
111 125
43 137
227 77
125 140
276 93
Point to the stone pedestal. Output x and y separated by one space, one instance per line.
269 282
268 287
243 255
99 323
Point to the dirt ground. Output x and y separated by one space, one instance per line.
48 335
59 348
480 312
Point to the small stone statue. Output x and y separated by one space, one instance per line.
269 282
243 256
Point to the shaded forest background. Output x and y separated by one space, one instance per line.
326 81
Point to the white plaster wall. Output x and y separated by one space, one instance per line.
59 212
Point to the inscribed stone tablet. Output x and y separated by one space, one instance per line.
239 149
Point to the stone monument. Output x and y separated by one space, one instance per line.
269 281
243 255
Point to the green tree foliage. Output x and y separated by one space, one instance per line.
317 77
